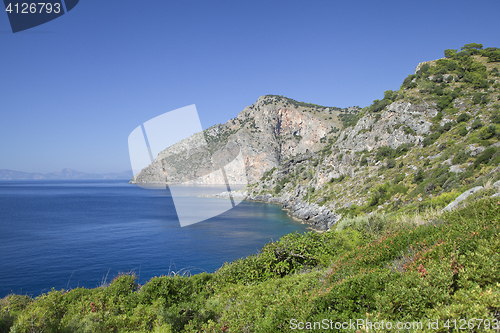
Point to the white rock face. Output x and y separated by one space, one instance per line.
267 133
454 204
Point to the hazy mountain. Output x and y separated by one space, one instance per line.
66 173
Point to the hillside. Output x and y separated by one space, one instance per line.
420 146
406 192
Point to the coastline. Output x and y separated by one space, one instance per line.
319 218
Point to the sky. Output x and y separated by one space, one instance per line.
73 89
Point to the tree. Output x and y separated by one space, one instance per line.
493 54
450 53
472 48
407 83
444 102
387 94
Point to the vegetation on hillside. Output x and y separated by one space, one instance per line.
459 151
377 268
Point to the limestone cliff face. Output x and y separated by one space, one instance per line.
300 177
400 123
266 133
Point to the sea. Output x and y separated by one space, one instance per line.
82 233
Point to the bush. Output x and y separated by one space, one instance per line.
450 53
476 123
486 133
348 119
495 118
398 178
462 130
402 149
460 157
390 163
423 71
379 105
419 176
277 189
408 130
384 152
408 84
372 224
485 156
446 127
493 54
444 102
463 118
437 118
480 98
430 139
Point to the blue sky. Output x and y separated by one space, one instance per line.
73 89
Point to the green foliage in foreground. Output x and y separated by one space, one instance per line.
448 268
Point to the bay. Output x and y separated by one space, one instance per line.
68 234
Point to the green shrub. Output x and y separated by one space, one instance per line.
379 105
460 157
398 178
402 149
430 139
493 54
446 127
450 53
408 84
419 176
423 71
462 130
476 123
486 133
408 130
480 98
485 156
464 117
444 102
277 189
390 163
384 152
348 119
438 117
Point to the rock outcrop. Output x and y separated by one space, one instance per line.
267 133
455 203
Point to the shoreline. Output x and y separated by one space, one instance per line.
319 218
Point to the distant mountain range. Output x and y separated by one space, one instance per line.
67 173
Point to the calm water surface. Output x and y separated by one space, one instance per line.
65 234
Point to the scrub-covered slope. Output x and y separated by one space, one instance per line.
420 146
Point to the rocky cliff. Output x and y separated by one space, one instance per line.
266 133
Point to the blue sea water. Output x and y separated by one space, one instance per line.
68 234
